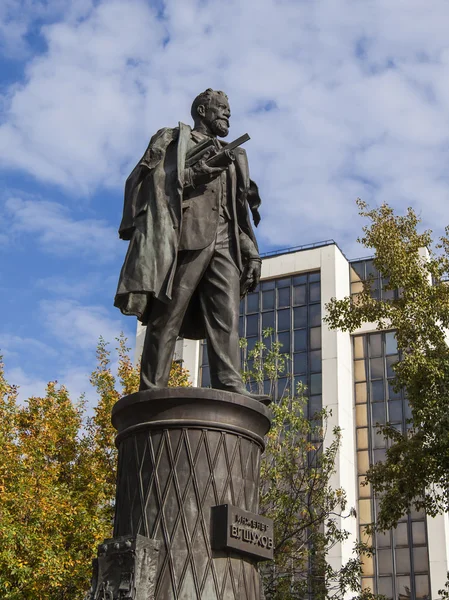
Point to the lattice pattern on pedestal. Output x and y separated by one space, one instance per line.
168 481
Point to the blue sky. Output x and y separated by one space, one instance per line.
342 98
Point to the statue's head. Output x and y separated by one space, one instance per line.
211 108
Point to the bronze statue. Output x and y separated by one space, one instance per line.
192 253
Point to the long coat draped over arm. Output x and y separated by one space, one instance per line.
152 221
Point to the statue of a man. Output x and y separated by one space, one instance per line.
192 251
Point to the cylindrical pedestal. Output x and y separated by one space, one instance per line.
181 452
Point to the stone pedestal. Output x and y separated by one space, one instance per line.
181 452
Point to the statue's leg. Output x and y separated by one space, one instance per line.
219 293
166 319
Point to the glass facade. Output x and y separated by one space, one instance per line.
291 306
364 270
400 566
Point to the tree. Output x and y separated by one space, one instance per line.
57 481
417 463
296 491
57 487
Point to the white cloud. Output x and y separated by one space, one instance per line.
28 385
359 94
13 345
59 233
79 326
76 380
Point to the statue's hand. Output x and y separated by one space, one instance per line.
201 172
251 276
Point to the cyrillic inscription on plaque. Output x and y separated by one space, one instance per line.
241 531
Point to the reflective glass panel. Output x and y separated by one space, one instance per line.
378 413
299 279
284 339
403 560
391 393
300 337
252 325
252 303
368 565
391 361
315 405
315 360
314 315
385 562
367 583
362 439
300 317
315 383
391 346
284 319
359 346
422 587
365 517
379 440
268 300
357 270
383 539
385 586
419 532
359 370
362 462
300 363
403 590
284 282
379 455
299 294
268 320
283 297
376 368
361 415
401 534
315 338
314 292
377 391
251 344
395 411
420 559
360 393
375 345
364 488
356 287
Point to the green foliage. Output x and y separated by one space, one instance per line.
296 493
57 487
417 463
57 481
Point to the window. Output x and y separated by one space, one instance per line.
291 306
400 568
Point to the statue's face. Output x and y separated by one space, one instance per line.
217 115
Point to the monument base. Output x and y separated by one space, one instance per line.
183 451
125 569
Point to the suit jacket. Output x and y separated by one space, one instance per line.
153 220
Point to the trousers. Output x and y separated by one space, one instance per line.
213 274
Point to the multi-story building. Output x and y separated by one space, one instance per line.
350 374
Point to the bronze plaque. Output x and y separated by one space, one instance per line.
242 531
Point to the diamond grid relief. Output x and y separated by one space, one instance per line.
169 482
